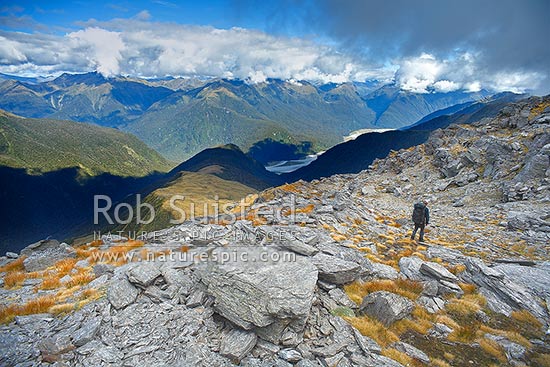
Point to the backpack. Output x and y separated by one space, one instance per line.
419 213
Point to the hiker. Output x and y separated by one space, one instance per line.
421 218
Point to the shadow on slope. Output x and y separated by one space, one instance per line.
356 155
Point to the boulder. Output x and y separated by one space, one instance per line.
144 274
335 270
431 304
290 355
86 332
382 271
236 344
503 295
121 292
387 307
45 253
292 244
410 267
271 297
437 271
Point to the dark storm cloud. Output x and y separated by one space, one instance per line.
508 35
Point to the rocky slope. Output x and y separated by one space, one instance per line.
337 283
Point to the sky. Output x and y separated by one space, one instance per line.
423 46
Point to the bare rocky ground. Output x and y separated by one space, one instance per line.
340 284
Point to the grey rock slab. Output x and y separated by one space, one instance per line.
45 253
437 271
236 344
290 355
410 267
86 332
382 271
411 351
387 307
504 295
195 299
121 293
341 298
257 294
55 345
514 352
101 269
335 270
535 278
12 255
298 246
144 274
109 354
329 350
431 304
366 344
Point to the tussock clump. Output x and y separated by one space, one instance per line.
492 348
398 356
15 265
373 329
14 279
49 283
439 363
404 287
34 306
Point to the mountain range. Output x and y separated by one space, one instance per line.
44 145
181 117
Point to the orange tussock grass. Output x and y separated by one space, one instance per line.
64 266
294 188
82 253
50 283
14 279
404 287
527 318
402 326
90 293
80 279
63 308
464 334
421 322
96 243
398 356
34 306
542 360
306 209
468 305
439 363
15 265
509 334
444 319
492 348
338 237
457 269
373 329
467 288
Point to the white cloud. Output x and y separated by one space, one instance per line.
426 74
141 48
445 86
102 48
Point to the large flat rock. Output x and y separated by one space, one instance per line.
266 296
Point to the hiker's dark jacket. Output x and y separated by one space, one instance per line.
416 216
